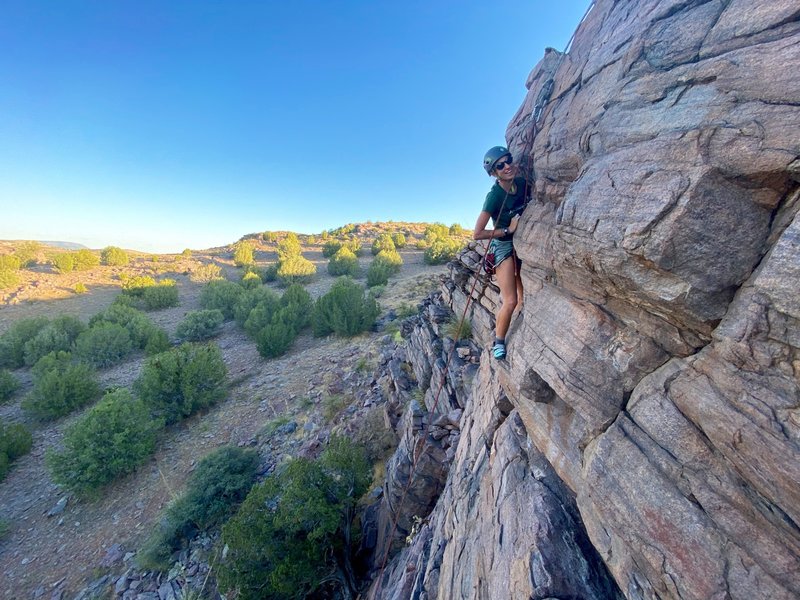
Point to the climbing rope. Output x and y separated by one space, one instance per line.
422 443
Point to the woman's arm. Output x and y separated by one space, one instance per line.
481 233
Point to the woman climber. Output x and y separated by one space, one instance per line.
504 204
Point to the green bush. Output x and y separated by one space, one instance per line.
392 259
64 262
251 280
187 253
399 240
80 288
141 329
26 252
296 269
8 385
206 273
442 250
114 257
221 295
331 247
15 441
275 338
249 299
163 295
456 329
8 279
112 439
271 272
200 325
378 273
243 254
104 344
9 262
60 386
157 342
344 262
135 286
288 247
270 237
383 242
179 382
12 342
214 491
296 529
344 310
377 291
297 306
85 259
58 335
457 230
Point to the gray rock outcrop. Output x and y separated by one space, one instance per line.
647 421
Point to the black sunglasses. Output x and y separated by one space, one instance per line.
502 164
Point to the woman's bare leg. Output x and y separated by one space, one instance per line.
506 279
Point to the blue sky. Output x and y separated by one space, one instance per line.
164 125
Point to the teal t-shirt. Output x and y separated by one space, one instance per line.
512 205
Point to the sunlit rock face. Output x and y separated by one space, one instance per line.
652 389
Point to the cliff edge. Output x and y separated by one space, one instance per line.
643 437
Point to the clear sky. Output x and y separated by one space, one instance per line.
160 125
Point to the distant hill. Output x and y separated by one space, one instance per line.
65 245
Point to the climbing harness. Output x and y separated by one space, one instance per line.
542 100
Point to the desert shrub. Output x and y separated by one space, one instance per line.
344 310
383 242
15 441
221 295
8 279
112 439
270 237
436 231
177 383
331 247
456 329
334 404
58 335
295 530
214 491
60 386
355 246
442 250
141 329
399 240
275 338
163 295
80 288
12 342
26 252
288 247
457 230
114 257
243 254
406 310
63 262
85 259
392 258
270 272
296 269
187 253
157 342
261 315
377 291
135 286
344 262
206 273
200 325
297 306
378 274
251 280
8 385
104 344
249 299
9 262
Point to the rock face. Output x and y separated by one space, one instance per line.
643 438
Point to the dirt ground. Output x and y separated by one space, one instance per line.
64 552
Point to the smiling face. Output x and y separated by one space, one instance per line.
504 168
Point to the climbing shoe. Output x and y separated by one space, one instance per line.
499 350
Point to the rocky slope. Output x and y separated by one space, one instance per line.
643 438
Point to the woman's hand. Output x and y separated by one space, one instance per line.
512 227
